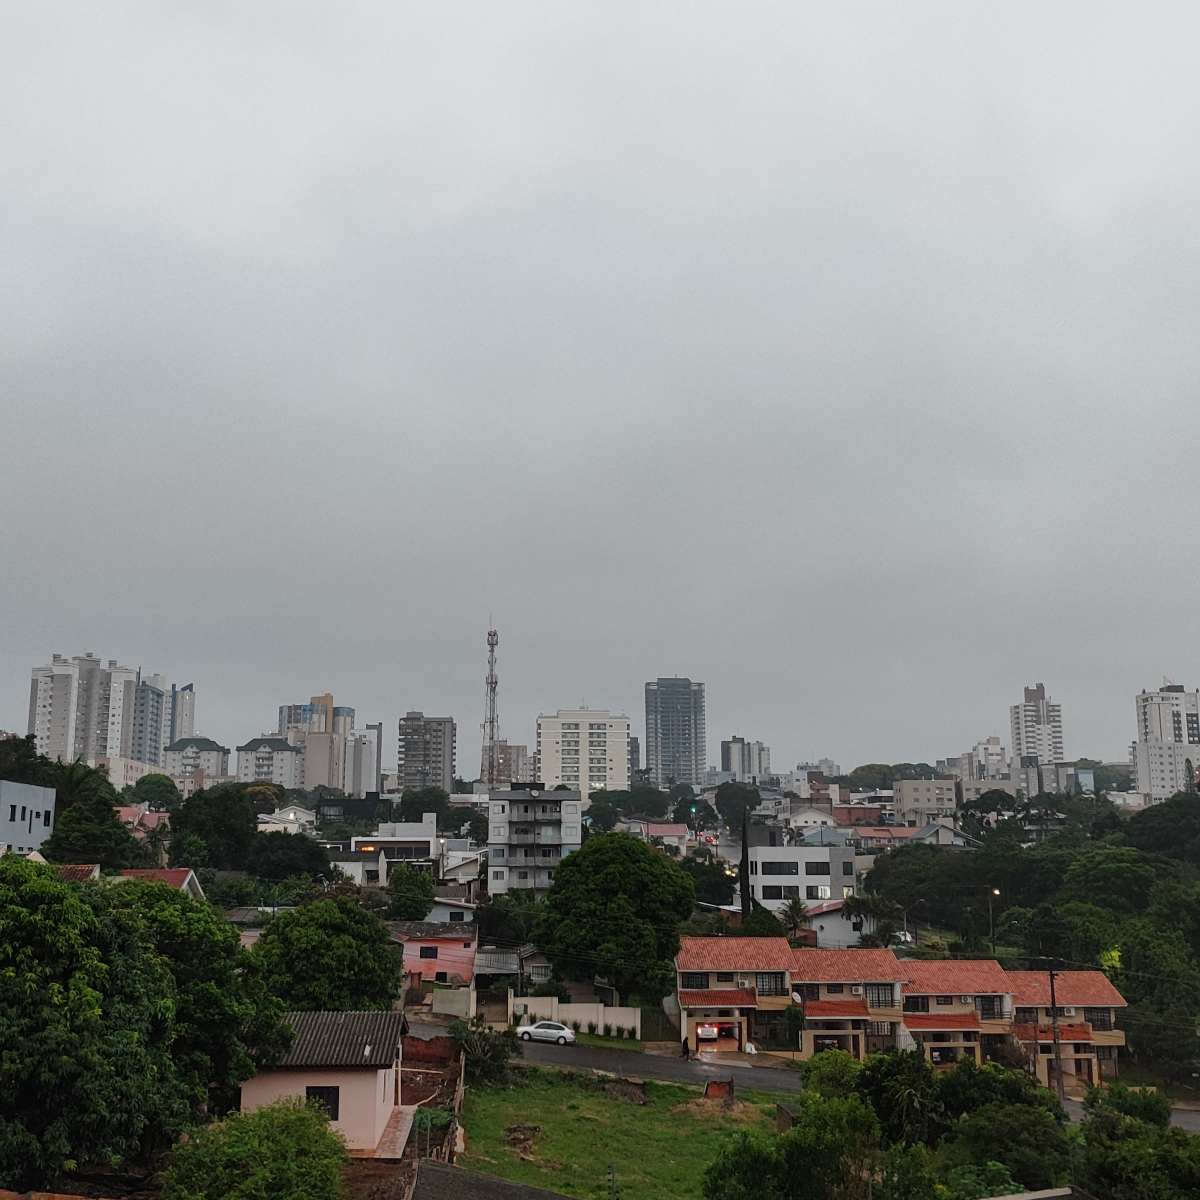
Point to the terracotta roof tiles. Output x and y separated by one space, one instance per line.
955 977
733 954
1093 989
716 998
846 966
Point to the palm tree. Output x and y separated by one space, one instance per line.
793 915
155 843
77 781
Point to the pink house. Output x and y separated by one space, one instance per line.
436 952
348 1062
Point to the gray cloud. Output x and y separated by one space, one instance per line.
842 359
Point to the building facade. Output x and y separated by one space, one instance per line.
745 762
808 872
514 763
26 816
191 754
530 831
426 751
919 801
676 732
1166 754
1036 727
269 759
584 749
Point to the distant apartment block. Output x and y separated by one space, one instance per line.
270 759
514 763
745 761
584 749
426 751
676 732
1166 755
191 754
919 801
1036 726
635 759
530 831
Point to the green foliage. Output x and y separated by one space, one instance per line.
831 1072
1026 1139
873 776
21 762
712 884
827 1154
762 922
615 910
734 801
1171 828
1127 1158
794 916
1142 1104
280 855
488 1051
88 1013
640 801
215 827
901 1088
226 1023
907 1174
477 827
329 954
410 893
89 831
415 802
283 1151
967 1087
978 1182
510 918
158 791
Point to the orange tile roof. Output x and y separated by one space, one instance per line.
733 954
1066 1033
1031 989
945 1021
835 1008
955 977
846 966
717 998
77 872
176 877
661 829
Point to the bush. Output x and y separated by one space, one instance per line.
284 1149
1149 1107
592 1028
607 1030
487 1052
576 1026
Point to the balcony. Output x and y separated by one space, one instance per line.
548 815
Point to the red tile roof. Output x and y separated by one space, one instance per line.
835 1008
1031 989
657 829
733 954
846 966
945 1021
717 998
76 872
1066 1033
176 877
955 977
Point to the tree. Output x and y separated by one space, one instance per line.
761 922
416 802
794 915
907 1174
710 879
978 1182
734 801
89 831
614 910
282 855
220 823
21 762
410 892
487 1050
1171 828
226 1023
1126 1158
603 816
901 1088
831 1072
75 781
968 1087
510 918
1142 1104
330 954
1025 1139
477 827
88 1013
283 1151
158 791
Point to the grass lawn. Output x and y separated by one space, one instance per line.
1133 1075
595 1039
658 1150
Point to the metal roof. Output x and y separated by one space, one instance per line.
343 1039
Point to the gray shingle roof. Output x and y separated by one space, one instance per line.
437 1181
461 931
343 1039
271 743
196 743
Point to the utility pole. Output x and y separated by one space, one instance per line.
1059 1084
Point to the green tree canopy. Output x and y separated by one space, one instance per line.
21 762
278 855
88 1013
415 802
1171 828
734 801
1026 1139
158 791
410 892
713 885
901 1089
762 922
614 910
89 831
511 918
220 823
283 1151
329 954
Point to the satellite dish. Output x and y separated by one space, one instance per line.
797 998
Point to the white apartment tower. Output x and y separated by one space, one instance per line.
530 831
1166 754
745 761
1037 728
585 749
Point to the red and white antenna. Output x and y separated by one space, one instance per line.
491 746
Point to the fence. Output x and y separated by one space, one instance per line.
454 1002
550 1008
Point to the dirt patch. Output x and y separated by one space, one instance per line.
521 1138
734 1109
626 1089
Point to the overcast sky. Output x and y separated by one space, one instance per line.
843 356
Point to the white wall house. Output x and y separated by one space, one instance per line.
26 816
811 873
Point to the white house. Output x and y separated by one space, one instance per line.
812 873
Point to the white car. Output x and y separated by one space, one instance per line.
707 1033
546 1031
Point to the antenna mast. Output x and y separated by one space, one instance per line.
491 750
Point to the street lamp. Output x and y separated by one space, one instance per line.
992 894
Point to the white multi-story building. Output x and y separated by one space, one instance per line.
779 872
919 801
26 816
583 748
191 754
676 731
530 832
1037 727
987 759
271 759
1166 754
360 762
744 761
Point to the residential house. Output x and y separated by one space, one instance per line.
436 952
26 816
807 816
858 814
957 1008
450 910
291 818
732 990
530 832
74 872
183 879
852 1000
367 868
1087 1004
413 842
346 1061
919 801
779 872
672 837
835 929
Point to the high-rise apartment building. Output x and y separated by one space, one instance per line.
585 749
191 754
1166 754
675 732
361 762
83 707
514 764
745 762
530 831
269 759
1037 727
426 750
635 758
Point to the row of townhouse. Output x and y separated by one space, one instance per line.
737 990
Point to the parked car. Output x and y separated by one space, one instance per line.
546 1031
707 1033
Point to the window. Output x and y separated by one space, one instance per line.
945 999
917 1004
834 988
497 874
724 976
816 868
816 892
848 868
771 983
455 915
810 991
694 979
440 977
329 1098
784 868
772 893
429 951
12 812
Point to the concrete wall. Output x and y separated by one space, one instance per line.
455 1002
32 816
365 1103
549 1008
